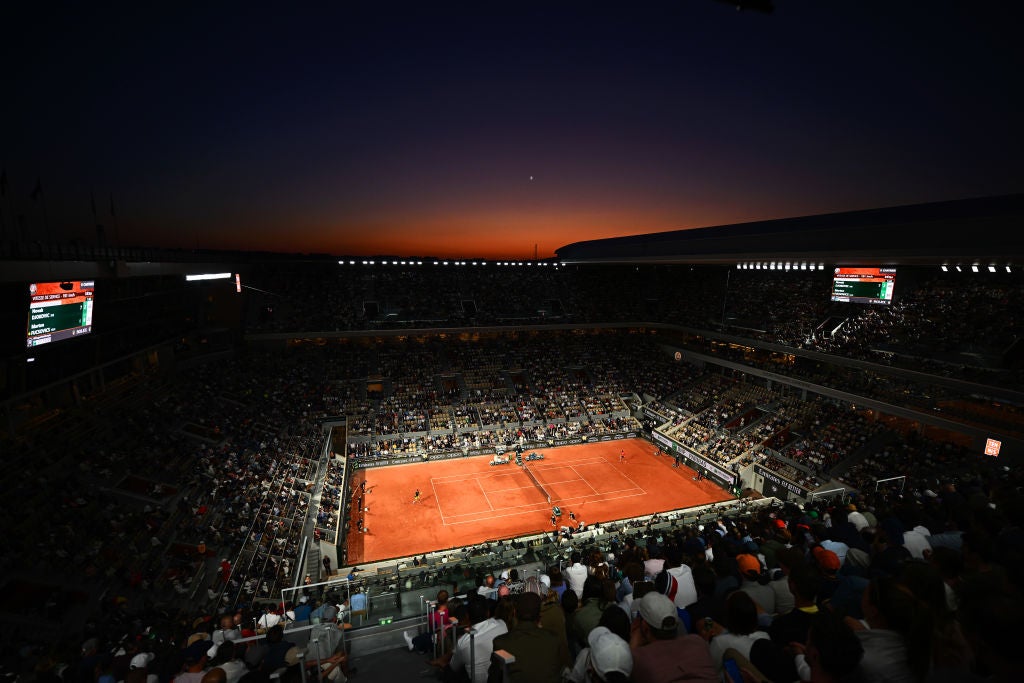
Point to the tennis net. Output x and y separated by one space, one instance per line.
536 483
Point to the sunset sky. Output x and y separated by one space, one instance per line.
494 129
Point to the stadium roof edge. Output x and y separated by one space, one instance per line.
981 229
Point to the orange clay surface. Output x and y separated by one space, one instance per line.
468 501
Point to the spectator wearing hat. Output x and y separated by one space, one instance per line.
303 610
686 594
537 652
607 658
837 591
138 669
754 582
666 584
662 650
858 563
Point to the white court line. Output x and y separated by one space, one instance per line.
584 480
480 475
564 501
437 501
485 495
515 509
531 487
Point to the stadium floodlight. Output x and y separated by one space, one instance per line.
974 268
991 269
341 262
945 268
208 276
1008 270
959 269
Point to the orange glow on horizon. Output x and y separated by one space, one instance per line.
494 235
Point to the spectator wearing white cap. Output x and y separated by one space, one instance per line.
662 650
138 669
606 658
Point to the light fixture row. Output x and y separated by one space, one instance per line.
780 265
975 268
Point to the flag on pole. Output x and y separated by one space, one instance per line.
37 191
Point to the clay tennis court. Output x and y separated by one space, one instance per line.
468 500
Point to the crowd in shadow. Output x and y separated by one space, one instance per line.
231 453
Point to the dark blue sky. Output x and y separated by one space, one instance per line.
368 128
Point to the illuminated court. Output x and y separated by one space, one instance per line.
469 500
